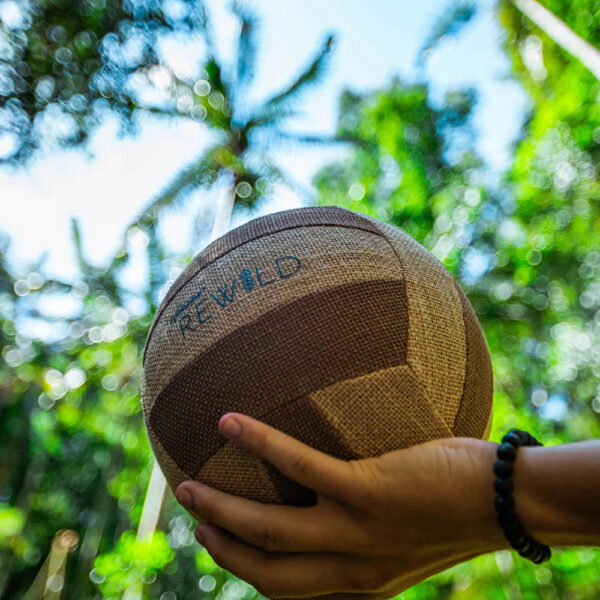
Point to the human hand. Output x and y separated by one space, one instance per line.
380 525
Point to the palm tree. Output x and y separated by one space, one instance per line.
245 134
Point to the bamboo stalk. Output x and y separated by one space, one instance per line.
155 494
50 580
563 35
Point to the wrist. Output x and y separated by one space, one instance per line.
556 494
481 529
556 497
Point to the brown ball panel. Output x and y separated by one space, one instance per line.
303 346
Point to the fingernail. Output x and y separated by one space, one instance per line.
231 427
184 498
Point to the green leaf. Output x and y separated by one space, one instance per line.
87 270
449 23
11 522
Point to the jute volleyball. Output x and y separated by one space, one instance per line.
329 325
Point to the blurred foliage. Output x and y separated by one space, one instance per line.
547 250
71 60
400 172
66 64
243 135
73 447
75 453
527 253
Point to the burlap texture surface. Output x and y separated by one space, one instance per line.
332 326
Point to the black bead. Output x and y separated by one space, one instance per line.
529 440
504 505
503 469
538 554
513 438
546 554
517 537
504 487
508 521
506 452
525 548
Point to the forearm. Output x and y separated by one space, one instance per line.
557 493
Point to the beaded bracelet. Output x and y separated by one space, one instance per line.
518 538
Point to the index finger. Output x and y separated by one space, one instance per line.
303 464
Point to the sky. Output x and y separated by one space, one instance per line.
107 185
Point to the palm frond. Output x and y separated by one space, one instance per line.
315 139
311 75
217 117
212 65
55 285
195 173
215 77
247 47
87 270
156 256
206 24
95 277
450 22
119 260
269 115
167 113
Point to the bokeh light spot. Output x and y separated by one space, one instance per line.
207 583
356 192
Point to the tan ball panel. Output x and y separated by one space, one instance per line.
381 411
173 474
488 427
475 412
436 345
234 470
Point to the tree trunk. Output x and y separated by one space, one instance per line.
563 35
